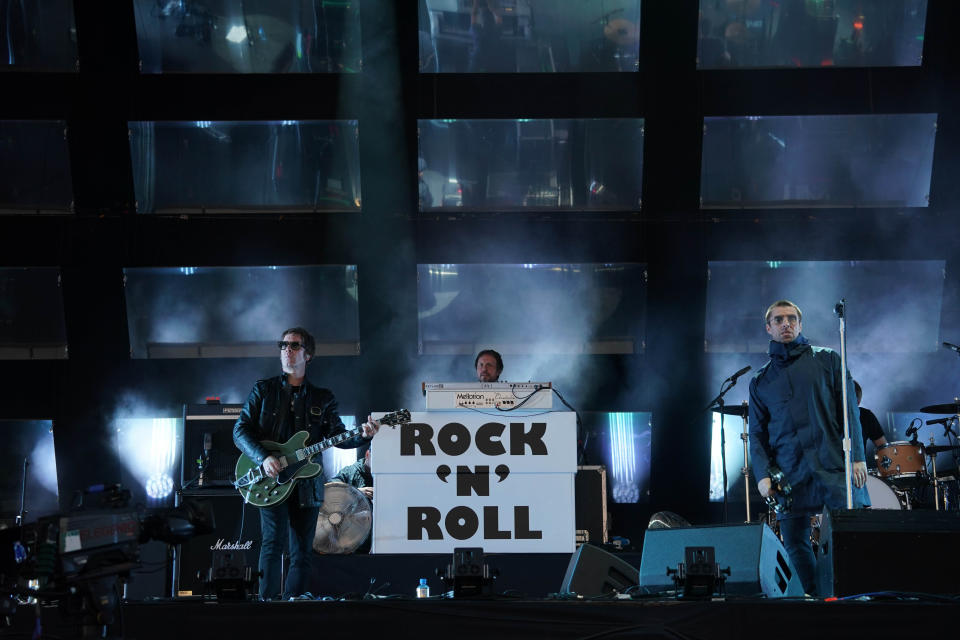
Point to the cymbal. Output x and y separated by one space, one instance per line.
952 408
733 410
940 448
621 32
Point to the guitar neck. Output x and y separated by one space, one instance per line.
332 441
390 419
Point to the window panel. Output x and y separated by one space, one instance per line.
528 164
810 33
30 440
529 36
249 36
515 308
224 312
893 306
38 36
818 161
32 325
213 167
34 167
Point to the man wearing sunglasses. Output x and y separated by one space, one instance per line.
277 408
796 422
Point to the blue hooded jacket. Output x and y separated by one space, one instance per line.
796 421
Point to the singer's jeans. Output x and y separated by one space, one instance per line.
796 531
286 520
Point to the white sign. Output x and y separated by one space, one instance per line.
455 479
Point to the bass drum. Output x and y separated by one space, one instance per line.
884 496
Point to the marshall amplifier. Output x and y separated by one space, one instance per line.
209 455
236 530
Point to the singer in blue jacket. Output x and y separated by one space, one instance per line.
796 421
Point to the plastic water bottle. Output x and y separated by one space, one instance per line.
423 589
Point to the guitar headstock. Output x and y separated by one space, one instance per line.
395 418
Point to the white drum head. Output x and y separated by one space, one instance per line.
881 495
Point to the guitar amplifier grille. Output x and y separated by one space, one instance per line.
217 429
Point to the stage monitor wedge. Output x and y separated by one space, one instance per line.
758 563
594 572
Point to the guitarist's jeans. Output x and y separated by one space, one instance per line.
286 520
796 540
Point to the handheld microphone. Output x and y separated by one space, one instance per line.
952 347
734 377
940 420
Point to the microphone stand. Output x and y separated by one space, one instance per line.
840 310
23 494
745 471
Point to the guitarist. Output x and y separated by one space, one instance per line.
277 408
796 420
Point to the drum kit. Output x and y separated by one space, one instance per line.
904 479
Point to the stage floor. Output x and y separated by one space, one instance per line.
467 619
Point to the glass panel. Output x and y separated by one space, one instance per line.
732 428
249 36
621 442
514 308
335 459
32 324
811 33
542 36
34 167
213 167
38 36
510 165
892 306
223 312
30 440
821 161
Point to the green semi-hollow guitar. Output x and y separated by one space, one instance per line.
295 456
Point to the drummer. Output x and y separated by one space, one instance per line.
870 426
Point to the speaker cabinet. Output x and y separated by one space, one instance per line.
590 494
236 530
758 562
208 433
865 551
594 572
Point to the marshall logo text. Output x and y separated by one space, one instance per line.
223 545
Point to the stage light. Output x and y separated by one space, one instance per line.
237 34
624 457
147 448
159 486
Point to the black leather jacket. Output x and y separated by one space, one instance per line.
262 418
